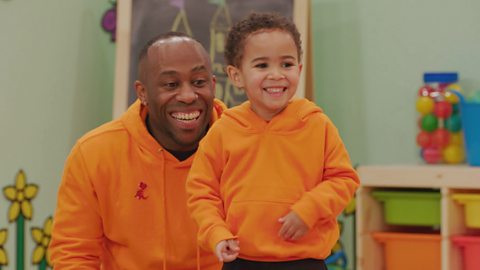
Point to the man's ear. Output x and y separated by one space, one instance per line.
235 76
141 92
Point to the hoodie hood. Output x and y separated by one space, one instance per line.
292 118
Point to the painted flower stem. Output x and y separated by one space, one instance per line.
43 264
20 242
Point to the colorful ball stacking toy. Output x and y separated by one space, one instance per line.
440 135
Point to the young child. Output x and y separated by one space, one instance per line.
271 176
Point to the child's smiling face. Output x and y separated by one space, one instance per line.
269 71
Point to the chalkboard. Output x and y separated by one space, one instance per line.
206 20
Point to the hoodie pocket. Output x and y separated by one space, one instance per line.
253 216
256 225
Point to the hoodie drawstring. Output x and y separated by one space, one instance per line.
164 217
198 257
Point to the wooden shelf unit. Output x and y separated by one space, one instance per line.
448 179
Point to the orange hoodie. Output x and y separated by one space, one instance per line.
122 203
248 173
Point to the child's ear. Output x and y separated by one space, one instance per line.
235 76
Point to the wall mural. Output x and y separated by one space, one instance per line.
109 21
3 252
20 195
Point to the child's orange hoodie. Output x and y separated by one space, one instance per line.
248 173
122 203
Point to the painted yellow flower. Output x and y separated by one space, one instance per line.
3 252
20 195
42 238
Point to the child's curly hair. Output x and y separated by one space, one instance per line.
254 22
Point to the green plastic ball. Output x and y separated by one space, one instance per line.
429 123
453 123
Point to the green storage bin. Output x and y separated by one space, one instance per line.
410 208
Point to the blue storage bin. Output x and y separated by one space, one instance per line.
470 115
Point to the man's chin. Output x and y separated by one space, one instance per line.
188 142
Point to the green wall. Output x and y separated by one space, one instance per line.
56 82
369 58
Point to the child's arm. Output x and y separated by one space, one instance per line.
203 189
340 180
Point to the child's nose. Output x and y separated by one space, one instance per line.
276 74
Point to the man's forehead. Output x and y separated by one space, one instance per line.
176 47
175 52
167 71
172 40
174 43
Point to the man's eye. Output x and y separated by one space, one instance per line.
170 85
199 83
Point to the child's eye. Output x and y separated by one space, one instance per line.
287 64
261 65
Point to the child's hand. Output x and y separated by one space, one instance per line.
227 250
293 227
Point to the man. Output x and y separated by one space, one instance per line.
122 202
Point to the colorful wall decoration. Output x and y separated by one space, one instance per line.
109 21
20 195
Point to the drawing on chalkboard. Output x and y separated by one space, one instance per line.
180 24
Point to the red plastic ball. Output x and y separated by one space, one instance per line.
424 139
425 91
440 138
432 155
443 109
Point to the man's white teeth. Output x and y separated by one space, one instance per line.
186 116
274 90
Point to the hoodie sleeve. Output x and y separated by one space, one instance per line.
203 190
340 181
77 228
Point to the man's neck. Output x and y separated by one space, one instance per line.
180 155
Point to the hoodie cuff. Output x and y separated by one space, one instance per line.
306 212
218 234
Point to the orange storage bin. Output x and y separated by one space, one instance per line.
470 246
410 250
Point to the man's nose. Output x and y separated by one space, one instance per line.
187 94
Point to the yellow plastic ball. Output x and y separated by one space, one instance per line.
455 87
451 97
453 154
425 105
456 138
